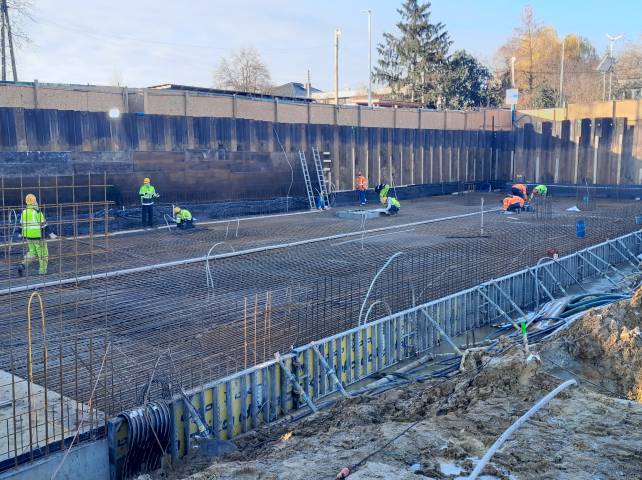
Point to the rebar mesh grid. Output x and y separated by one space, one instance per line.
136 337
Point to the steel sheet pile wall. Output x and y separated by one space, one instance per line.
603 151
239 157
262 394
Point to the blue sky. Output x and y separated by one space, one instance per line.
148 42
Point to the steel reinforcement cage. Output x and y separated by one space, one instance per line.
306 376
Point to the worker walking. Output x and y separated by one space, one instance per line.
388 199
183 218
362 186
519 189
539 190
147 195
34 228
513 203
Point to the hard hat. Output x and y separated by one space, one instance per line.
177 209
358 174
378 188
146 180
30 199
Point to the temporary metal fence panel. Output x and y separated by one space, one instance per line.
264 393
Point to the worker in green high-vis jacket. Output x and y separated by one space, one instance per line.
147 194
539 190
34 228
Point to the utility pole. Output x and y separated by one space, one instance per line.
2 44
337 34
6 31
561 99
369 12
308 87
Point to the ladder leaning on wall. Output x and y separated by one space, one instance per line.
323 185
306 178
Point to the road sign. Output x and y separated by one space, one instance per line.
511 96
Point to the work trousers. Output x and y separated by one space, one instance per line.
518 192
362 197
185 224
37 249
148 215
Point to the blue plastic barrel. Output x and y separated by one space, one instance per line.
580 228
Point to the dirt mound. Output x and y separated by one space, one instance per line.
605 345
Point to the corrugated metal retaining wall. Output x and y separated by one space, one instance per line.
261 394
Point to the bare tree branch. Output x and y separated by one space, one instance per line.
243 71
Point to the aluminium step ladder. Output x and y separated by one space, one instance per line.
306 178
318 165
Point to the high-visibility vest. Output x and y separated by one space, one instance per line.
183 215
362 183
384 191
522 188
541 189
395 202
508 201
147 193
32 222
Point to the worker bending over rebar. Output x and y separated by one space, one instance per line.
34 229
183 218
388 198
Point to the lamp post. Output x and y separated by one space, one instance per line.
369 13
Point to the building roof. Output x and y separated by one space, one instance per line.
219 91
293 89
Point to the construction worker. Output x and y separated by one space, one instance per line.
34 228
513 203
147 195
540 190
519 189
362 186
183 218
388 198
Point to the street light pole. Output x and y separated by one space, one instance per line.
369 13
337 34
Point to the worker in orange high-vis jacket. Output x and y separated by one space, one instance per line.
513 203
519 189
362 186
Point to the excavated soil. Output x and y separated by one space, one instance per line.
590 431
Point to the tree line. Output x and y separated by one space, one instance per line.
417 65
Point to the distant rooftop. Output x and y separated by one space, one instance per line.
220 91
294 89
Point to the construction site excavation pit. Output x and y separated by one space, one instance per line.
437 418
138 317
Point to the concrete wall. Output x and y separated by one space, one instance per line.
89 461
200 104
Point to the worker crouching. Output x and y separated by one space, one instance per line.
34 229
513 203
388 199
183 218
539 191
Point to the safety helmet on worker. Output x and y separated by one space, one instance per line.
147 181
177 209
30 199
379 187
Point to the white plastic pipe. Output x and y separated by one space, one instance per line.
521 420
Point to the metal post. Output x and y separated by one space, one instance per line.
369 12
337 34
561 97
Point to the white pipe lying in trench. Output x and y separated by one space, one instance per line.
521 420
